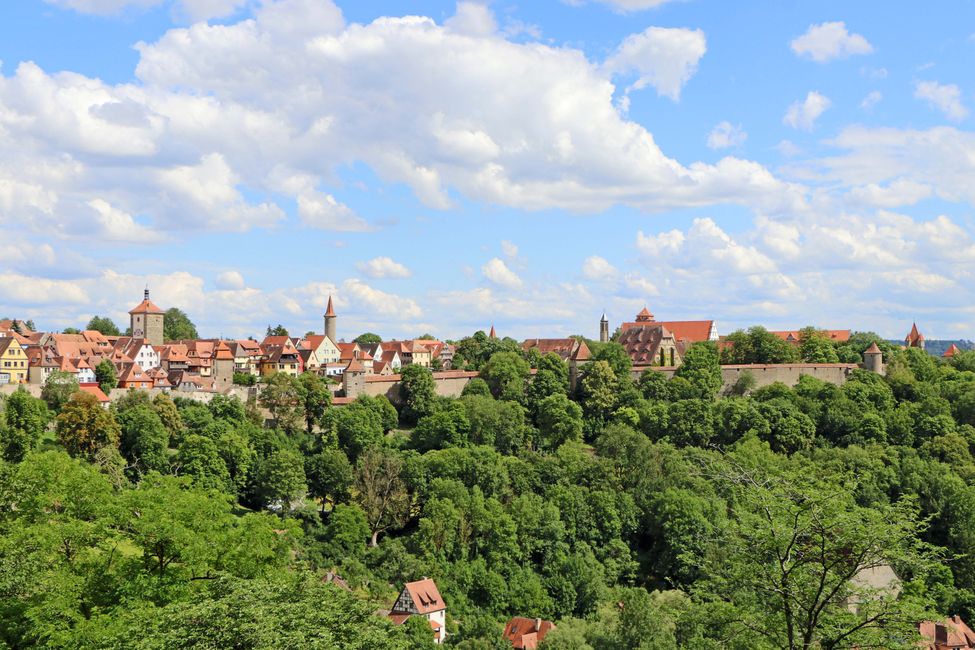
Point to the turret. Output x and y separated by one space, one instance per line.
331 322
604 329
873 359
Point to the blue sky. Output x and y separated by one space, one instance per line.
442 166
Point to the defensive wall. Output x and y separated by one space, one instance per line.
451 383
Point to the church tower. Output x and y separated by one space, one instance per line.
604 329
147 321
331 322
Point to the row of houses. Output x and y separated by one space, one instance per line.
145 360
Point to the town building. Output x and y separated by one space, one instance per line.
147 320
14 368
527 632
422 598
950 634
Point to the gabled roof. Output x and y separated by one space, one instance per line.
223 352
644 316
425 596
565 348
950 634
793 336
690 331
96 391
643 343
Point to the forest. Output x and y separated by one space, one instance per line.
651 513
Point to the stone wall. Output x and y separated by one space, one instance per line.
449 383
765 374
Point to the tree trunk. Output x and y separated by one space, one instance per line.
375 539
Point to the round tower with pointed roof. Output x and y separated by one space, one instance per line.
147 321
331 322
914 339
873 359
604 329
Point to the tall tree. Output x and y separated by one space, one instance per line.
103 324
277 330
795 545
106 375
368 338
417 390
315 398
58 389
25 418
282 397
700 366
381 491
177 326
84 427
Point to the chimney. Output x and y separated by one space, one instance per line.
538 624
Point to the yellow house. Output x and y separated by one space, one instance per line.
13 362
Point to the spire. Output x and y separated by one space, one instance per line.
329 311
146 294
604 319
493 334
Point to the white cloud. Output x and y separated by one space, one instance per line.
509 249
381 302
231 280
498 272
725 134
117 225
829 41
473 18
900 192
191 10
871 100
598 268
803 114
944 97
662 57
383 267
625 5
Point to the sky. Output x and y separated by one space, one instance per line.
444 166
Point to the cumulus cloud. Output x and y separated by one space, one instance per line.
473 18
829 41
944 97
662 57
509 249
598 268
383 267
231 280
803 114
498 272
725 135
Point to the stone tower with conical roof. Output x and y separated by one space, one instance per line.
147 321
604 329
873 359
331 322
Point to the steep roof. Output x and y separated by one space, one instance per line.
329 310
792 336
873 349
425 596
493 334
950 634
914 337
951 351
93 389
223 352
146 307
643 343
565 348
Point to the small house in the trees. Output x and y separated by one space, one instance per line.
422 598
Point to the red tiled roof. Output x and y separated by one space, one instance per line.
914 337
96 391
426 597
146 307
951 351
793 336
950 634
527 632
329 311
690 331
873 349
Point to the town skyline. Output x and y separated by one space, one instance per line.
770 164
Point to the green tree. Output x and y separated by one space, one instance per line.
794 545
446 428
277 330
25 419
599 393
58 389
757 346
177 326
315 398
700 366
282 396
417 390
144 439
368 338
84 427
559 421
381 491
506 373
347 532
357 426
279 479
330 476
106 376
815 346
103 324
199 458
